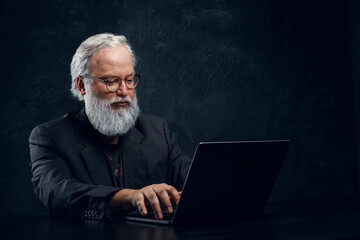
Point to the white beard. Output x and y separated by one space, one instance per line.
108 121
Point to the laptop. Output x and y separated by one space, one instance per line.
226 180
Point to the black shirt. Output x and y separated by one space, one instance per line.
113 155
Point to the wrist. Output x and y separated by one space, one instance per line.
120 202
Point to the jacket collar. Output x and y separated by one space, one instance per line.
92 153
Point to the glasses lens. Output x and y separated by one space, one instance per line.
132 81
113 86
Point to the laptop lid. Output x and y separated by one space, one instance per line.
227 180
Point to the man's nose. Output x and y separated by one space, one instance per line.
122 90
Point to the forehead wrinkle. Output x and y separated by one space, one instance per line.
109 63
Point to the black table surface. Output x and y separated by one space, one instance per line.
321 220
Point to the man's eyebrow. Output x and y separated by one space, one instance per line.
107 76
113 76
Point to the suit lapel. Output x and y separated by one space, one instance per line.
97 166
134 136
134 155
92 154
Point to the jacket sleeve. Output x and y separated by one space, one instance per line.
54 184
178 161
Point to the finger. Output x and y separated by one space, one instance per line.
163 197
172 192
151 196
171 198
140 203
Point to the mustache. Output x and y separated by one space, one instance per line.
120 99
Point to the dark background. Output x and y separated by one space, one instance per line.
217 70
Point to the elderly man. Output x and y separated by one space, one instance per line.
107 158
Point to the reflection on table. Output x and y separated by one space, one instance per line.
339 220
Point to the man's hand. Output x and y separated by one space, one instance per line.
157 196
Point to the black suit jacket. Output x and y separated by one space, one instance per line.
70 173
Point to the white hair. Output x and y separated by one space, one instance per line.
80 60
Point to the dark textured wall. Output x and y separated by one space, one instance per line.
355 56
217 70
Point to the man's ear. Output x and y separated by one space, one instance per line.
80 85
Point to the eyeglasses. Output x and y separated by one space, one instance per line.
113 85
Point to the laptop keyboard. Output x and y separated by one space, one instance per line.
150 215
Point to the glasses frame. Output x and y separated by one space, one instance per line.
106 82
